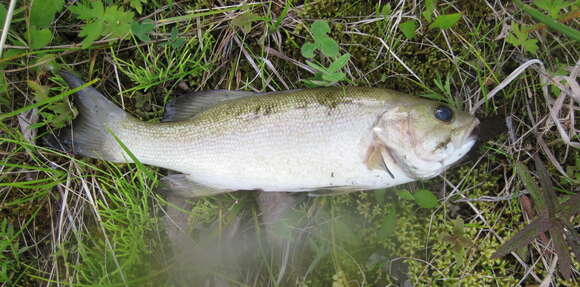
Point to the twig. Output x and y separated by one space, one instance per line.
505 82
7 22
495 198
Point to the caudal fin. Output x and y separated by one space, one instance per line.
90 133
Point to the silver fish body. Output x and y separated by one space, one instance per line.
341 138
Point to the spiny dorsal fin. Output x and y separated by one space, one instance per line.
186 106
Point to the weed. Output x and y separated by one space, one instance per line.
325 76
10 253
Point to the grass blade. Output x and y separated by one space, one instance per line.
564 260
522 238
549 21
531 186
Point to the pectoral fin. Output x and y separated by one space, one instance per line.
376 158
181 185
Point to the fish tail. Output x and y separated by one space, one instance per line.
91 133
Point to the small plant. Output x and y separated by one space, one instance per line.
9 252
244 21
458 240
111 21
552 218
442 22
519 34
100 21
424 198
58 114
42 14
325 76
408 28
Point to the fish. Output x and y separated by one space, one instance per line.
322 141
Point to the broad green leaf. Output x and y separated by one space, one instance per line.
317 67
408 28
405 194
244 21
530 45
117 21
328 46
91 32
339 63
142 30
308 49
39 38
100 21
429 8
315 83
333 77
42 12
96 10
425 199
445 21
319 29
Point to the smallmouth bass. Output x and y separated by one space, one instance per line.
337 138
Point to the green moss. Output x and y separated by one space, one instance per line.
417 238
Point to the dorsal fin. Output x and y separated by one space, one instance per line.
186 106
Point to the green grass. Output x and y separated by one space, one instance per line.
81 222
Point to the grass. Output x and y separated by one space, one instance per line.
73 221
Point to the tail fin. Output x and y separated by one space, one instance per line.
90 133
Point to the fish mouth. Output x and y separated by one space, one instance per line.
474 130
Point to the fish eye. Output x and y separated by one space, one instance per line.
443 113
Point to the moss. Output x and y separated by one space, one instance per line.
417 238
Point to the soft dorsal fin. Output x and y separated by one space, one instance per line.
186 106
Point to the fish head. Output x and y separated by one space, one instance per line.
424 137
